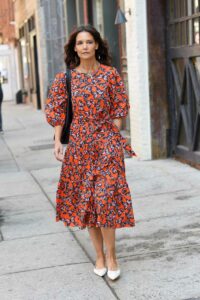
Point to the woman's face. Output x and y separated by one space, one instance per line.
85 46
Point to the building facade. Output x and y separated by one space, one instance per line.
27 34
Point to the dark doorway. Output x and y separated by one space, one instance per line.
37 79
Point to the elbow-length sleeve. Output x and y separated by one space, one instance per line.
119 99
55 106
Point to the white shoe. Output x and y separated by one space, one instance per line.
100 272
113 274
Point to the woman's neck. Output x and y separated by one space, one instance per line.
88 65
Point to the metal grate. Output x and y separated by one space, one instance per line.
41 147
55 35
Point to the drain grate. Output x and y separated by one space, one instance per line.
41 147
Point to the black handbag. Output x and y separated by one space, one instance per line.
69 113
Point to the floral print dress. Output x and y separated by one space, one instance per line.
92 190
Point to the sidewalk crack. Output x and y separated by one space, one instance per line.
43 268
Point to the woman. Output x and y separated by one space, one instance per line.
92 190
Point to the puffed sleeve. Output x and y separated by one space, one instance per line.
119 99
55 106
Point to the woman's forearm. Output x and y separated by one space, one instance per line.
58 132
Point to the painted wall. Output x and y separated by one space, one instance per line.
138 78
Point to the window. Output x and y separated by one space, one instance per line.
31 23
184 24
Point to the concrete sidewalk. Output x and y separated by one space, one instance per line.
42 259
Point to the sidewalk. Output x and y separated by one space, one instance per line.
42 259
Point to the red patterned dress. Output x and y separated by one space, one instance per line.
92 190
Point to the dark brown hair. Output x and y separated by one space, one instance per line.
102 53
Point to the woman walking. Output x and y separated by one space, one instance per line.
92 190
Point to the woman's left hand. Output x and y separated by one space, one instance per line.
118 123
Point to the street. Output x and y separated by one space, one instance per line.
42 259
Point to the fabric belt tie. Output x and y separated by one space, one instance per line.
98 124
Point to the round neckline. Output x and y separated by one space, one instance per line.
88 74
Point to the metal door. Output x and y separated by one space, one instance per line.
184 77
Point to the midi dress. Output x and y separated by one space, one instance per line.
92 190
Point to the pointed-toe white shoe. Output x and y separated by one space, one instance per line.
100 272
113 275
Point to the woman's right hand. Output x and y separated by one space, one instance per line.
58 151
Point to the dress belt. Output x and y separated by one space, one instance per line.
127 147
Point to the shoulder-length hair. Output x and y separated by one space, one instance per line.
102 53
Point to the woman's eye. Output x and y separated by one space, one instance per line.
88 42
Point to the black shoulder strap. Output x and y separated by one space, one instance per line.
68 82
69 111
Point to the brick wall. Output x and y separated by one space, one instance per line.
138 79
7 31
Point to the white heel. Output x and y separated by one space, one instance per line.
100 272
113 275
